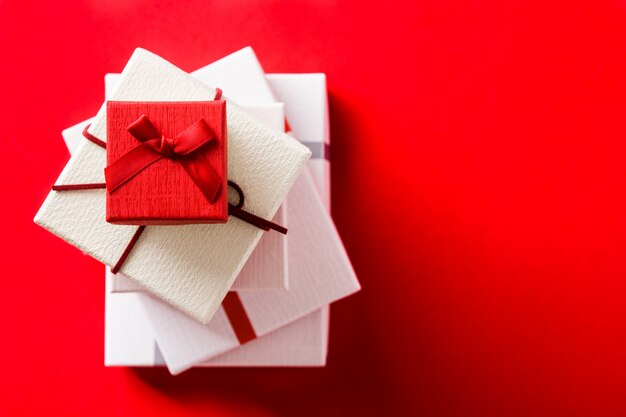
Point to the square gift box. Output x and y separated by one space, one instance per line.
190 266
166 162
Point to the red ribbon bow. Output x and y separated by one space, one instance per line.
154 146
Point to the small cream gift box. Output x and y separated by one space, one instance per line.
191 267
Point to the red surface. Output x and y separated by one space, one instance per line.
479 185
187 187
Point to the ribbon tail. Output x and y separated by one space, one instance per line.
255 220
130 164
203 175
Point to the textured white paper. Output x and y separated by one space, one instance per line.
73 136
192 266
238 74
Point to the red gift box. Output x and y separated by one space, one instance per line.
166 162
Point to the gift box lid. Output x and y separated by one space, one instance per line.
166 162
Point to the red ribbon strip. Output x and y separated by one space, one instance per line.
238 318
118 265
255 220
70 187
154 146
233 210
92 138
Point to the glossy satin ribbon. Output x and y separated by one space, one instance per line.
184 148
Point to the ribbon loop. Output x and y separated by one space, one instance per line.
154 146
238 211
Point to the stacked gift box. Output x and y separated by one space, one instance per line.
181 292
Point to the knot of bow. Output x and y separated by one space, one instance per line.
183 148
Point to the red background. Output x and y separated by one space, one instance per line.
479 186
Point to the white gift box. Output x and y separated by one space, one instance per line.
129 338
196 279
319 273
237 74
